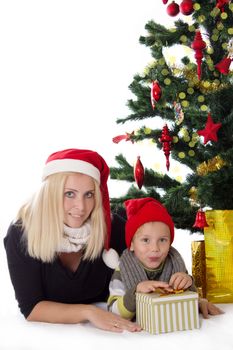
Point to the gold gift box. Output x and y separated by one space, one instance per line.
157 313
219 256
199 267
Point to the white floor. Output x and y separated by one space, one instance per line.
17 334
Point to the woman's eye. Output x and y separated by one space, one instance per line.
90 194
69 194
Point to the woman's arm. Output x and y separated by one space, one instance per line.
52 312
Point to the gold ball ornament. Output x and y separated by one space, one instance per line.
167 81
224 15
196 6
165 71
201 98
183 38
204 108
191 28
147 131
215 12
185 103
182 95
190 90
201 19
191 153
181 155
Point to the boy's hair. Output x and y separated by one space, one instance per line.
143 210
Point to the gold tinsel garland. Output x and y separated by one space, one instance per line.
211 165
205 86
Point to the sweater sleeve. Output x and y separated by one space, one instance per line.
121 301
25 272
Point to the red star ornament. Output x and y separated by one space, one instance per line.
210 131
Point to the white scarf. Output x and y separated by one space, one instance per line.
75 239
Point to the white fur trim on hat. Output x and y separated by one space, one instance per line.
73 165
111 258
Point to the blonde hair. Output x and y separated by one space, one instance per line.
42 219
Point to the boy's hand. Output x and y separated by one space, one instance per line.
180 280
151 286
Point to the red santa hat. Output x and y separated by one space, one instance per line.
142 210
89 163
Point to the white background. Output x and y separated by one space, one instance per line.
65 67
65 70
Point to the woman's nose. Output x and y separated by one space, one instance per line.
79 204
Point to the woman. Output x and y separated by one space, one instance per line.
54 248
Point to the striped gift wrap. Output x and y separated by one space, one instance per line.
158 313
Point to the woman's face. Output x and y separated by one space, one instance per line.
79 199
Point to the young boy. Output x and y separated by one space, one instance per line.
150 262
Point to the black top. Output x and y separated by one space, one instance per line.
35 281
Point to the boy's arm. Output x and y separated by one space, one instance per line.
120 301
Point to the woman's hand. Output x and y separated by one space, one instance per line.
151 286
109 321
180 280
207 308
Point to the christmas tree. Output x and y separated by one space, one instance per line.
192 109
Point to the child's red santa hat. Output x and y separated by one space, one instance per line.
140 211
89 163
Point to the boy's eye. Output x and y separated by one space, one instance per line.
145 240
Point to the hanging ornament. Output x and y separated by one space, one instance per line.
179 114
224 65
126 137
221 3
210 131
200 221
198 45
165 1
166 140
173 9
139 173
156 93
186 7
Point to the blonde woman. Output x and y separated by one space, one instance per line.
55 248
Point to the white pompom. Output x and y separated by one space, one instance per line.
110 258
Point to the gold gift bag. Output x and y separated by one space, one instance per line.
219 256
199 266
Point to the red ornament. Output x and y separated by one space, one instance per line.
173 9
224 65
200 221
126 137
198 46
165 1
139 173
155 93
186 7
166 139
210 131
221 3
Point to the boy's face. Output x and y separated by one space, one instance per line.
151 244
